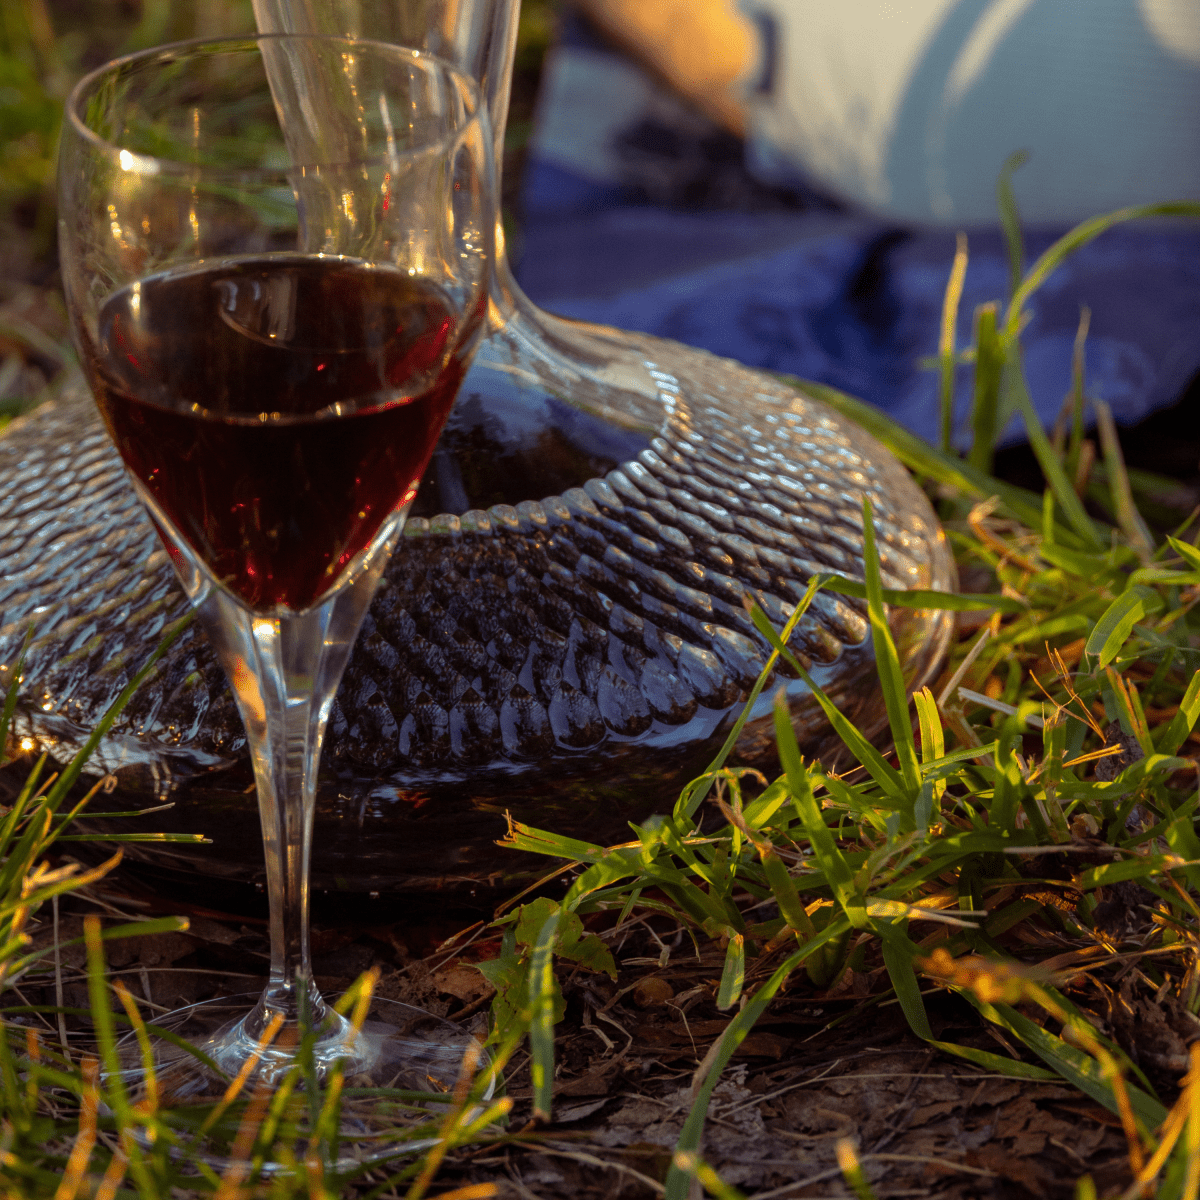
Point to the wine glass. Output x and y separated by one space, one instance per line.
274 340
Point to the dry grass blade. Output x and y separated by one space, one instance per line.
85 1141
239 1081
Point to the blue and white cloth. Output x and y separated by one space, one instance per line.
638 213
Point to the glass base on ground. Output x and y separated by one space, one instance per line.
400 1075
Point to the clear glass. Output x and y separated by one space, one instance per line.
530 362
604 398
274 325
547 406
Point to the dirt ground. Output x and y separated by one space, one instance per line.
816 1067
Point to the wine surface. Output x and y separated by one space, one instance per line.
277 410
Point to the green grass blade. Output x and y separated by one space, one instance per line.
933 751
985 401
898 952
933 739
825 849
880 770
946 356
1074 1065
1048 516
69 883
887 661
1008 786
102 1016
1184 721
851 1168
1010 218
1071 241
21 860
12 691
112 933
1186 551
71 772
554 845
12 823
764 807
1112 630
733 977
693 796
615 866
1126 511
1141 867
924 597
158 1031
1016 397
705 1177
678 1179
930 463
783 888
1165 575
541 1016
995 1063
1074 446
189 839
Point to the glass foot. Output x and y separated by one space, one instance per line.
400 1075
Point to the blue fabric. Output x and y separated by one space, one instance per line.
852 303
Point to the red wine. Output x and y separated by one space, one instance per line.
278 409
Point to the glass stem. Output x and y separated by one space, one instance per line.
284 671
285 722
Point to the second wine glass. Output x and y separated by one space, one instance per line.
274 342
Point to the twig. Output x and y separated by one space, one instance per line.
967 663
592 1161
791 1087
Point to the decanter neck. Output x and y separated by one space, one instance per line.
478 36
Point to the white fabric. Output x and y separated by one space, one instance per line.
910 107
586 99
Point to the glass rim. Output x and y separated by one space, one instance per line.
150 164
